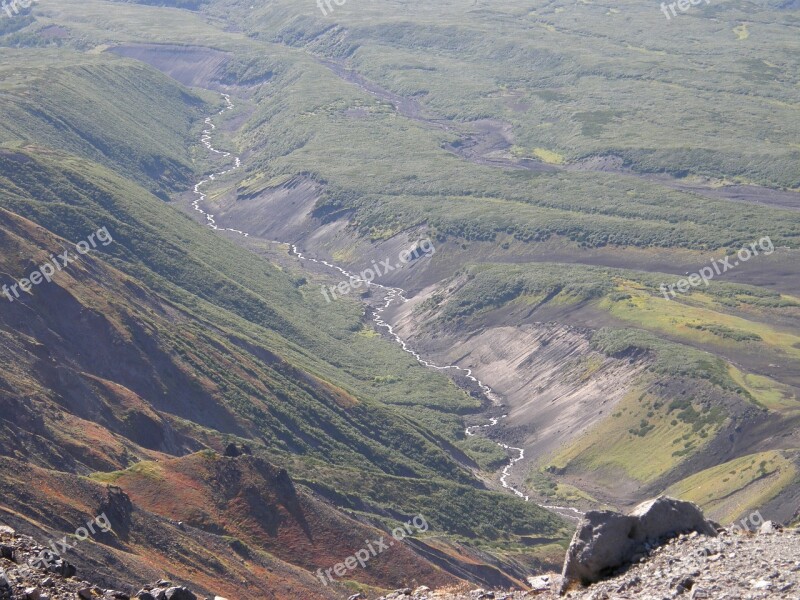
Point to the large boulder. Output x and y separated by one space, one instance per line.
665 517
180 593
606 540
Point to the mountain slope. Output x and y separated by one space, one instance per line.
166 339
565 170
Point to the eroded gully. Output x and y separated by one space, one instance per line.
391 296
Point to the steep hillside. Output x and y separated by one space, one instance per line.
136 545
702 378
256 504
569 165
70 101
162 339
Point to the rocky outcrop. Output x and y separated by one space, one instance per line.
117 506
735 564
607 540
234 451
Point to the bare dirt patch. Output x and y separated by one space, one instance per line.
554 387
193 66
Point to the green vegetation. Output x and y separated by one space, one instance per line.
88 139
472 79
767 392
488 454
684 337
729 333
149 470
45 100
213 279
473 515
683 400
486 287
312 386
622 444
739 486
559 97
469 80
669 358
546 485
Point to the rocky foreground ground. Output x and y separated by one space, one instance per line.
733 566
30 571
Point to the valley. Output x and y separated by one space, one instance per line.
247 409
550 426
387 297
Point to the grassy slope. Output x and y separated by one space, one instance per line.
709 330
144 546
246 500
393 173
736 487
565 103
53 102
241 334
204 277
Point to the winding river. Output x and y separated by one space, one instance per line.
392 295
